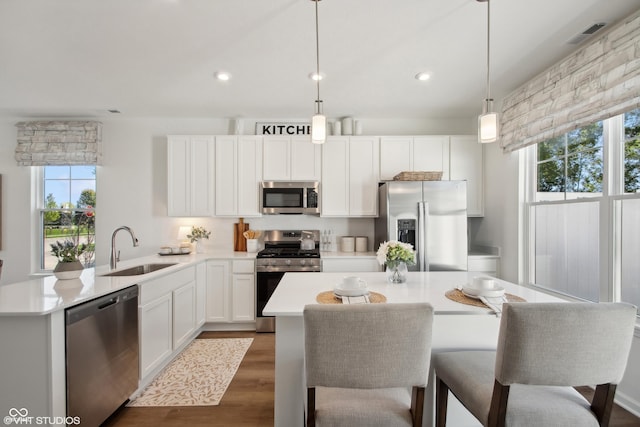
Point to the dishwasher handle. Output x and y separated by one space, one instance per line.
110 301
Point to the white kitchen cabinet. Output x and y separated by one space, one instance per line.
413 153
167 313
291 158
217 291
231 291
467 163
190 175
184 313
488 265
238 173
350 174
201 293
156 334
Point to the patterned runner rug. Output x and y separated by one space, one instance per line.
198 376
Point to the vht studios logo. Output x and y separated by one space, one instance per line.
21 416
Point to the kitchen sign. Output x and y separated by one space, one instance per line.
295 128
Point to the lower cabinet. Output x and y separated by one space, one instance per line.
230 291
167 318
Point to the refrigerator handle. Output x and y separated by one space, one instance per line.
423 220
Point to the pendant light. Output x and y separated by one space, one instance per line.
488 120
319 121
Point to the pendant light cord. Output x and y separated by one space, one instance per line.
318 101
488 99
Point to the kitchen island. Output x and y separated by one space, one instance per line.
456 327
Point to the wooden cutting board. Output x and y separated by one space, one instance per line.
239 241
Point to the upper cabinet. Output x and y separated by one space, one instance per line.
467 163
238 174
350 175
190 184
291 158
413 153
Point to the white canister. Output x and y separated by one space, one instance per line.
361 243
347 244
347 126
337 128
357 127
252 245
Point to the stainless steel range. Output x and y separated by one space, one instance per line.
283 253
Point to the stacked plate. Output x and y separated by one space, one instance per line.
483 287
351 286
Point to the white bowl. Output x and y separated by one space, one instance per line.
473 291
351 287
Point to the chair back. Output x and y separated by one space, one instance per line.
564 344
367 345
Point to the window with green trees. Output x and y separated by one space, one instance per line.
68 210
632 152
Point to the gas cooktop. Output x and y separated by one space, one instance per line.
279 252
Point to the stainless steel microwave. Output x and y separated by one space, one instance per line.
290 197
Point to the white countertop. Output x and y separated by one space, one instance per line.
47 294
295 290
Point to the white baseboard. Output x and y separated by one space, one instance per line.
627 403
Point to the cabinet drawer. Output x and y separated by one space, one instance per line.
154 288
485 265
244 266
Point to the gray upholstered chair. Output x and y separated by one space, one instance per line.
367 364
544 349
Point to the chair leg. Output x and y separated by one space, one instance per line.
442 396
602 403
498 409
417 405
311 407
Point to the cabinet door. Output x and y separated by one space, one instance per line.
178 176
363 176
249 175
217 291
467 163
335 177
276 158
395 156
243 298
202 176
156 343
431 153
201 293
184 313
305 159
226 172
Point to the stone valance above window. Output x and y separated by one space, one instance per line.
594 83
43 143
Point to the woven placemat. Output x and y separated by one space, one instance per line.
457 296
327 297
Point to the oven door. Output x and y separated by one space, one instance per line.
266 283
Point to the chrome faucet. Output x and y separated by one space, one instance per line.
115 256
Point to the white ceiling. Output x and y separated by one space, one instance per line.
156 58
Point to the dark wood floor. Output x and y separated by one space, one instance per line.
249 399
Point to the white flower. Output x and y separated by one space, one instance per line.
393 252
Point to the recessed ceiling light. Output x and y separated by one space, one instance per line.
113 111
315 76
423 76
222 75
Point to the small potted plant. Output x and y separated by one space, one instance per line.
67 252
396 255
197 234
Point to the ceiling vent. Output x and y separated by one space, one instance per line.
577 39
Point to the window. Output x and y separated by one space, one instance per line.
570 166
68 202
584 213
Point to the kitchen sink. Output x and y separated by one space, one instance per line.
140 269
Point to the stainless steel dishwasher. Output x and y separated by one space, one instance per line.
102 355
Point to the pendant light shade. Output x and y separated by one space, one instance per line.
488 126
318 129
318 121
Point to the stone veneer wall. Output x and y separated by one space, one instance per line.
59 143
594 83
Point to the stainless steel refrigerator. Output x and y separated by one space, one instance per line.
431 215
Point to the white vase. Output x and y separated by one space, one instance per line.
68 270
200 247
